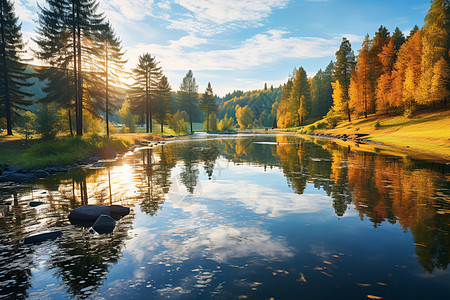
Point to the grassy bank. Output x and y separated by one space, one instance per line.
61 151
428 133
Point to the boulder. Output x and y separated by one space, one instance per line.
93 159
35 203
88 212
104 224
42 237
98 165
118 211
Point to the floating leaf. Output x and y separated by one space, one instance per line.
302 278
381 283
374 297
417 244
326 274
335 255
326 262
364 284
318 269
242 297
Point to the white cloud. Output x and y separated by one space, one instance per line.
130 9
258 50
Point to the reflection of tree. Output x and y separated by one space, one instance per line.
156 183
81 259
291 161
340 190
392 189
189 173
209 155
15 259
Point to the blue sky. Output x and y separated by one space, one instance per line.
240 44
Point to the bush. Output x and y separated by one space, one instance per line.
49 121
226 124
377 125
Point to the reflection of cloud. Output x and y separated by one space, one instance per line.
221 243
265 200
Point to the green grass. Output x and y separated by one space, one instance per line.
427 132
61 151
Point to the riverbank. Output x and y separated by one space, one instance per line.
427 133
62 151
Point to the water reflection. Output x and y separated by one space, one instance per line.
228 208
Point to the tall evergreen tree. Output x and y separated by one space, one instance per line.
147 75
66 33
343 69
13 76
187 96
285 118
110 71
321 91
300 98
208 104
398 38
163 105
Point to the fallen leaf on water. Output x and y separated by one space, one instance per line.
256 283
364 284
274 273
420 245
302 278
326 262
318 269
242 297
335 255
381 283
374 297
326 274
283 271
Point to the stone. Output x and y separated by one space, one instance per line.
40 173
98 164
118 211
104 224
35 203
13 169
42 237
88 212
91 212
93 159
17 177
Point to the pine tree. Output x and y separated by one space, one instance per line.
110 72
344 67
163 104
208 104
13 72
147 75
187 96
321 92
66 38
398 38
300 98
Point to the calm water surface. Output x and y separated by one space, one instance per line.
236 217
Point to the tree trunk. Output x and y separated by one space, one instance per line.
190 111
146 102
70 123
75 73
5 77
106 94
80 78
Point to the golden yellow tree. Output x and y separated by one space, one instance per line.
339 105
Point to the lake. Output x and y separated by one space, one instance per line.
236 217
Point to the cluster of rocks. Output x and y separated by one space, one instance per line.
101 218
358 137
19 175
151 144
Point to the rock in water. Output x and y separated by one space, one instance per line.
88 212
92 212
42 237
36 203
118 211
104 224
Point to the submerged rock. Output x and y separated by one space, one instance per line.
35 203
104 224
98 165
118 211
17 177
37 238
